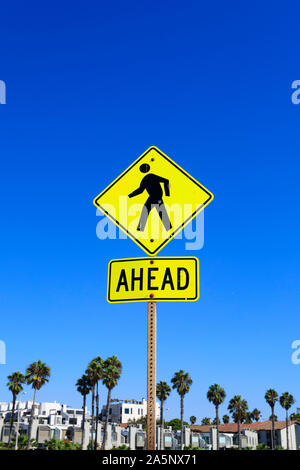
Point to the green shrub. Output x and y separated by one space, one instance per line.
122 447
22 442
57 444
191 447
262 446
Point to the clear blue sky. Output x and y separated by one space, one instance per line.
90 86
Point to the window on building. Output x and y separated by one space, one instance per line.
126 411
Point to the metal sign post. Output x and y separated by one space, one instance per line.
151 376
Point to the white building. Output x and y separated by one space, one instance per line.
264 434
51 413
124 411
251 434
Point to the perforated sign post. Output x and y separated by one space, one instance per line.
152 201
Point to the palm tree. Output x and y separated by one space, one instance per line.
94 371
286 401
112 370
238 408
205 421
271 398
37 375
162 392
295 416
83 387
193 419
256 415
100 362
181 382
16 379
216 395
225 419
248 417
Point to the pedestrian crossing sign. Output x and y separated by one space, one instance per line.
153 200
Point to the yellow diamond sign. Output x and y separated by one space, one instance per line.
153 200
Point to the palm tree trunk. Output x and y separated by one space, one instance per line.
181 419
273 430
31 420
97 417
217 421
106 419
161 424
93 409
83 422
239 433
287 430
12 418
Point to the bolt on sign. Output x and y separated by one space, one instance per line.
153 200
153 279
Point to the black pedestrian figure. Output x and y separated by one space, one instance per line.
151 183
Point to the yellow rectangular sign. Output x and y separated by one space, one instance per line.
153 279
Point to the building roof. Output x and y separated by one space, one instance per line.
233 427
267 425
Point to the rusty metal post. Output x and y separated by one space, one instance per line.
151 376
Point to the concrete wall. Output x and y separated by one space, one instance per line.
292 430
